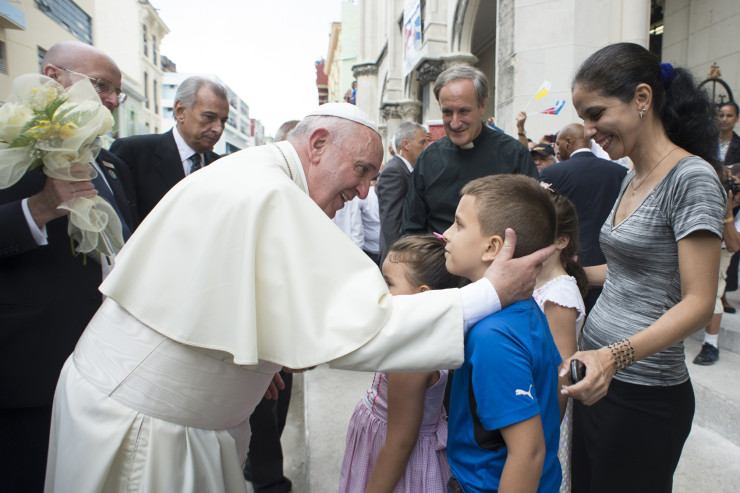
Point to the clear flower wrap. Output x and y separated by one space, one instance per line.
42 124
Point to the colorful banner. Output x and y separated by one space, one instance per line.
411 35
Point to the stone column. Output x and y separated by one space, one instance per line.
427 74
396 113
391 119
636 22
366 75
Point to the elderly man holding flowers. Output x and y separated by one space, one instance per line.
63 215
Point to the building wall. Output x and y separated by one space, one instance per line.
342 52
699 33
348 41
119 31
22 45
521 43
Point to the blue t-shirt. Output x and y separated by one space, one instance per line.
511 362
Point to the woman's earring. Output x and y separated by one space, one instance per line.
642 114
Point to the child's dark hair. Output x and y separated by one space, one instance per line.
518 202
567 224
685 110
425 257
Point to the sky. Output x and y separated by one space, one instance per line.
263 49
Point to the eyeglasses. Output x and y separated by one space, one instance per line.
101 86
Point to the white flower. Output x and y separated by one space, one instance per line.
12 118
40 97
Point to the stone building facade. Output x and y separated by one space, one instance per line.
519 44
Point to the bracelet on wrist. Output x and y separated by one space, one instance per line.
522 134
623 354
728 219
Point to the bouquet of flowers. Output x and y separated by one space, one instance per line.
43 124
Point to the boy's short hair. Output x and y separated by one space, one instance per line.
518 202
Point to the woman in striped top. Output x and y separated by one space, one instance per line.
661 242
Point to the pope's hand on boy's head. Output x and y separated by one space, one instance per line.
514 278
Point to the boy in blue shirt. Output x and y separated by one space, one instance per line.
504 414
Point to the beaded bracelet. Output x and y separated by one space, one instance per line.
623 353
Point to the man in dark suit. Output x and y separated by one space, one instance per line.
158 162
48 294
592 184
410 139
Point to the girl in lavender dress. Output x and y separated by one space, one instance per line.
397 437
559 292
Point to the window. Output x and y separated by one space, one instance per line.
146 89
41 53
70 16
154 49
145 39
3 68
154 96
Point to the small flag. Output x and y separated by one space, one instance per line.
543 90
554 110
541 93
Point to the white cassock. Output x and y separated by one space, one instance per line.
236 273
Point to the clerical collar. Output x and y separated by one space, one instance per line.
477 139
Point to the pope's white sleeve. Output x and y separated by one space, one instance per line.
424 333
479 299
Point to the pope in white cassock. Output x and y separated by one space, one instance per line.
236 273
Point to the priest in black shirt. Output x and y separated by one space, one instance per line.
470 150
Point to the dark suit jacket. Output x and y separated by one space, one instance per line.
733 153
391 189
155 166
47 295
592 184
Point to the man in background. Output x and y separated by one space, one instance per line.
159 161
469 150
543 156
410 139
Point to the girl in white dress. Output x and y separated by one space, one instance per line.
559 292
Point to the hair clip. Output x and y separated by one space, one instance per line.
667 73
440 237
547 186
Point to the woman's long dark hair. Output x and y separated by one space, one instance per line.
686 111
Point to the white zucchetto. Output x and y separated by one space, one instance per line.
347 111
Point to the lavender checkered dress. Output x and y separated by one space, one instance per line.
427 470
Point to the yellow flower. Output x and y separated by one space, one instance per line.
68 130
41 97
